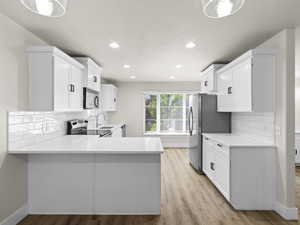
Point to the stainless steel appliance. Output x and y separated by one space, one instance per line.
79 127
204 118
90 99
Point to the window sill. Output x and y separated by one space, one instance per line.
166 134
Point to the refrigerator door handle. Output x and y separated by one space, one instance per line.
191 120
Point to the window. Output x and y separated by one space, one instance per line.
166 113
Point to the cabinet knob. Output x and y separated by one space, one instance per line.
212 166
220 145
95 79
229 90
206 83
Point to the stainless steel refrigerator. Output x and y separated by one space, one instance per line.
204 118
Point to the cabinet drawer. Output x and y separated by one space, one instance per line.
221 147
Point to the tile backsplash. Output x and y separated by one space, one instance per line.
28 128
259 124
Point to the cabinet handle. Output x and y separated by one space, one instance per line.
296 151
229 90
212 166
206 83
115 99
95 79
220 145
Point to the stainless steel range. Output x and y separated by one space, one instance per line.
80 127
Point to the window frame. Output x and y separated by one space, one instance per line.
158 132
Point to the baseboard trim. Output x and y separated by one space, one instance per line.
285 212
16 217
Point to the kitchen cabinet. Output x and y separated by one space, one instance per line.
91 74
55 80
209 79
297 148
247 83
244 175
109 97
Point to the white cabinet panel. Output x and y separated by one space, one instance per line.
224 82
209 79
92 74
297 148
222 172
242 87
62 87
77 91
109 97
48 191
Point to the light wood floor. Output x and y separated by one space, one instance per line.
187 199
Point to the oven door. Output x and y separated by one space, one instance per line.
90 99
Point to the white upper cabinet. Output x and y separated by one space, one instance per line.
109 97
246 84
209 78
92 73
55 80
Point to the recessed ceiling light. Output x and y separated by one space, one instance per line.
126 66
178 66
172 77
190 45
132 77
114 45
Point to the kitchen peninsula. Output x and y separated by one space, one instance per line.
92 175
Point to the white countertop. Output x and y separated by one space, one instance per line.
82 144
234 140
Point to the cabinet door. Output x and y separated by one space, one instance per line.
62 87
242 87
209 159
210 85
204 83
297 148
205 158
222 172
75 102
224 85
94 77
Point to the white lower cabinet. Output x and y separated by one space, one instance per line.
297 148
243 175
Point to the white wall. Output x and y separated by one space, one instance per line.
13 96
297 81
258 124
284 115
130 106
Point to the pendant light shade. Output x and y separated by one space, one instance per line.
221 8
51 8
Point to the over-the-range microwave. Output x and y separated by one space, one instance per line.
90 99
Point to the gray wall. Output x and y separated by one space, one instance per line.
13 96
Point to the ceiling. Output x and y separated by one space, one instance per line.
152 33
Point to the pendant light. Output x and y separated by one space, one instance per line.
51 8
221 8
